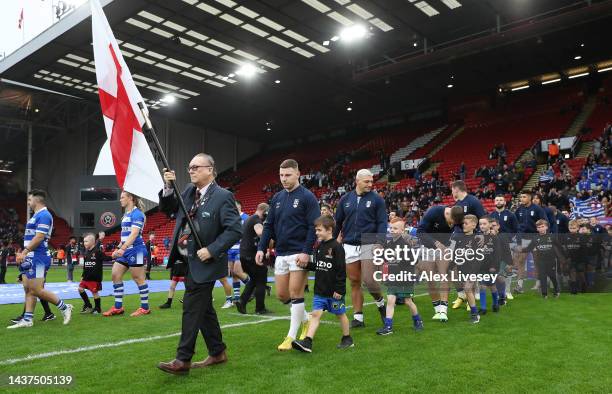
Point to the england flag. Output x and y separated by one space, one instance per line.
126 153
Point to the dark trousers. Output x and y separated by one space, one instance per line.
547 269
258 275
199 316
3 272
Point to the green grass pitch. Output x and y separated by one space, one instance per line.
532 345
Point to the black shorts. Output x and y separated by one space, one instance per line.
125 264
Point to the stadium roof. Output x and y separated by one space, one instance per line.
415 49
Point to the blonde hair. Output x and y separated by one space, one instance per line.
138 202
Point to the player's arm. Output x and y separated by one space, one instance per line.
34 243
381 220
312 213
422 230
268 228
480 211
339 218
513 223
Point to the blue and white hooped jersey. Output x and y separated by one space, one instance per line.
40 222
243 218
134 218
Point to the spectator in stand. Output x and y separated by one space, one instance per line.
501 185
583 185
462 171
166 242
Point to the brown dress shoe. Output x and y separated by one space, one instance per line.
175 367
211 360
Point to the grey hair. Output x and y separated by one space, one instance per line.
211 161
363 172
89 235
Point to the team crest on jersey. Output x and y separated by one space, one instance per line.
296 202
465 208
277 205
346 205
505 218
329 254
368 204
532 213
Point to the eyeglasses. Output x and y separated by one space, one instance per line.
195 168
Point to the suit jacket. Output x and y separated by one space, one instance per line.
218 224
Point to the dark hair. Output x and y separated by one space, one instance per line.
38 193
290 163
457 214
493 220
486 217
238 202
541 222
459 185
326 221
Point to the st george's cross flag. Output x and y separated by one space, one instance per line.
126 153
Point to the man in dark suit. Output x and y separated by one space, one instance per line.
218 225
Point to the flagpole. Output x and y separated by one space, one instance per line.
148 127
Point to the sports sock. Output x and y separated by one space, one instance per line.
236 287
246 280
169 301
305 317
297 313
389 322
380 302
495 296
436 305
61 306
144 296
508 285
118 293
28 316
519 283
97 302
501 288
416 318
461 294
358 316
483 298
85 300
473 310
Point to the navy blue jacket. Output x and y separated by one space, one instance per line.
562 223
471 206
552 220
508 222
433 222
528 216
290 222
369 216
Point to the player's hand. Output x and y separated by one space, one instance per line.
337 296
302 260
118 253
259 257
20 257
480 240
169 176
204 254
